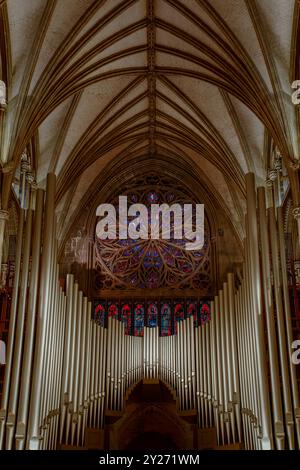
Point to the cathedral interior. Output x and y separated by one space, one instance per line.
129 344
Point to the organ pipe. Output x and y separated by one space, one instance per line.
17 356
30 324
43 313
11 331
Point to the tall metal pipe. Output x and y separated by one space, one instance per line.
92 376
87 370
219 368
11 331
34 413
227 315
108 362
104 362
234 357
19 336
81 368
67 351
224 366
24 396
72 362
215 393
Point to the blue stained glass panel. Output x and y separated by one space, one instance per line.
152 314
139 315
126 316
165 319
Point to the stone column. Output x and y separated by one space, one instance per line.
296 214
256 297
3 276
3 219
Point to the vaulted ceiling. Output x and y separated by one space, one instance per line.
208 81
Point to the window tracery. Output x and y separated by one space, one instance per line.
150 264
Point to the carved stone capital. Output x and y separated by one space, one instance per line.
4 214
277 153
296 213
277 164
4 272
33 185
295 165
3 102
30 177
8 168
272 174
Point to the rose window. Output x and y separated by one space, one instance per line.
152 264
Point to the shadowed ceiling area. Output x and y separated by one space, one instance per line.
91 83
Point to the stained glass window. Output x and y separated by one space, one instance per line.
204 310
165 314
100 312
191 310
152 314
150 264
165 319
126 316
178 315
113 310
139 315
179 310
